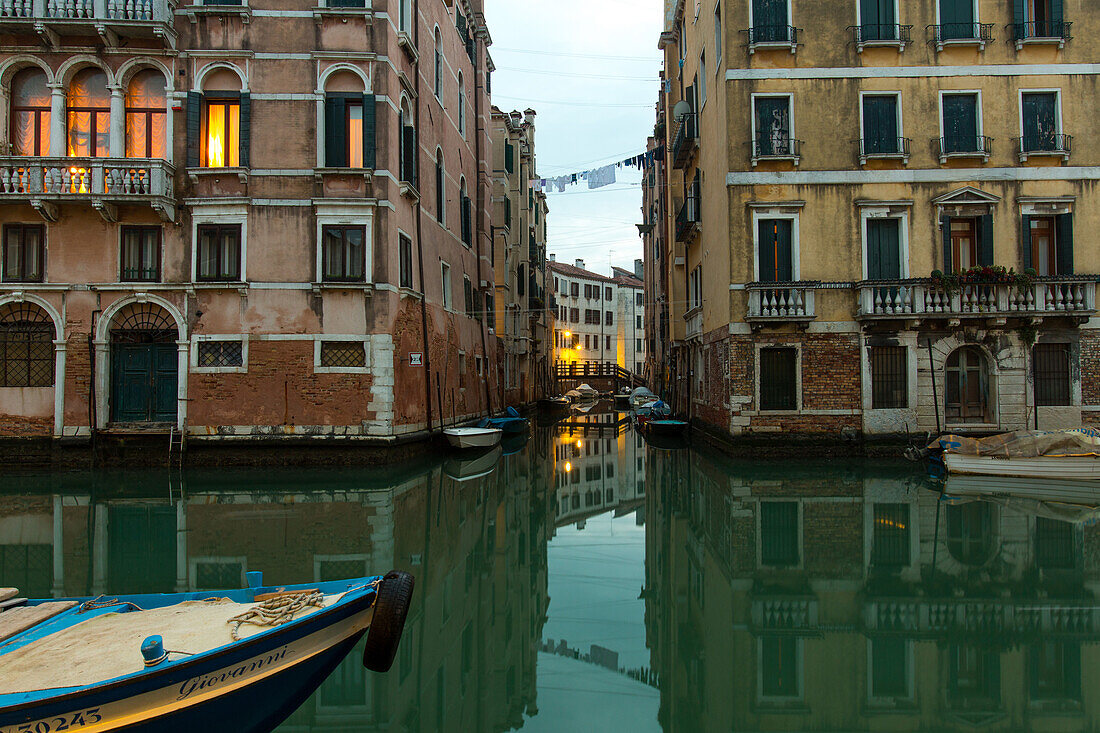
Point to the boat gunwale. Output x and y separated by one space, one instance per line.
186 668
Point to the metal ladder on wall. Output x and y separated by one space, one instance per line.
177 445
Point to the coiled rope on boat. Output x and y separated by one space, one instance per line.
276 611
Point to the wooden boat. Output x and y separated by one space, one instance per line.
666 426
583 393
467 438
1048 491
240 660
1061 454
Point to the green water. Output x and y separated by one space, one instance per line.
589 582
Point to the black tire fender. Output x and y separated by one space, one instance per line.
391 607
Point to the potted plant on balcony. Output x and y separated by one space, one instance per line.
983 275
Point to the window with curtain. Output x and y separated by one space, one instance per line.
344 130
30 113
219 255
24 253
146 115
140 260
222 129
89 115
342 253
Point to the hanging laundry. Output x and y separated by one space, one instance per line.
600 177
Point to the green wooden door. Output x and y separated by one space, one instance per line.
883 249
141 549
143 382
776 262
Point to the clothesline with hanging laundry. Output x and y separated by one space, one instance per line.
597 177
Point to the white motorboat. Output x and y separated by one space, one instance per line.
642 396
473 437
468 469
1052 492
1059 454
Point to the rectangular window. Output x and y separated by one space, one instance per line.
445 284
219 252
776 256
772 127
343 354
220 354
718 32
342 253
1042 239
344 132
890 536
889 378
638 322
702 79
769 21
574 289
637 344
877 21
960 124
1055 670
467 296
221 139
28 568
591 316
889 668
574 315
695 288
607 294
24 253
405 265
639 300
586 342
957 19
26 354
607 343
974 677
140 256
779 666
609 318
1055 544
778 378
881 135
779 534
1050 364
964 244
1040 122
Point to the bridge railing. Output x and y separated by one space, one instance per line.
595 370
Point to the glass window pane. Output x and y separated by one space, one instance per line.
233 146
355 135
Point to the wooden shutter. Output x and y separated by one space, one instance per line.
1019 17
985 243
194 128
1056 16
945 231
509 158
1025 240
880 123
1063 225
467 224
336 139
246 129
370 155
883 255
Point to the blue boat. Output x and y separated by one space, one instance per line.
511 423
240 660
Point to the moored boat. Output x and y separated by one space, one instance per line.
466 438
1061 454
561 402
666 426
239 660
511 423
478 466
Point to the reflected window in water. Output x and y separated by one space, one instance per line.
975 679
1055 545
890 541
780 662
215 574
1055 671
970 532
28 568
779 534
890 678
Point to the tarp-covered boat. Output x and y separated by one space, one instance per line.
240 660
1066 454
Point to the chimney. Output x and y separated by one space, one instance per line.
639 269
529 116
553 257
580 264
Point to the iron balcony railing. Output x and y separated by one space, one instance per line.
685 141
1058 145
1041 30
779 35
793 301
765 146
969 146
1046 296
883 147
870 34
945 33
687 219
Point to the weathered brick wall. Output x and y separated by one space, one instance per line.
830 372
25 427
1090 369
832 538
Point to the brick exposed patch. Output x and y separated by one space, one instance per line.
1090 368
18 425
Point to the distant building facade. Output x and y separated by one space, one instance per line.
221 225
521 308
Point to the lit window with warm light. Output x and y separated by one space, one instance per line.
221 133
88 104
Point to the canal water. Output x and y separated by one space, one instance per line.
584 580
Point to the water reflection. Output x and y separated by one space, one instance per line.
585 581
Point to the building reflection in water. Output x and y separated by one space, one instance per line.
823 596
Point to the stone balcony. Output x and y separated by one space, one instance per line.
791 302
693 320
995 616
914 299
110 20
104 183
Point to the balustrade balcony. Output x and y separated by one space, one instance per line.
1053 296
109 19
694 323
780 303
103 182
994 616
774 614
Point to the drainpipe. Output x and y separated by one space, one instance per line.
477 225
415 10
91 382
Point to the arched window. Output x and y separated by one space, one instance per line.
89 115
30 113
467 214
967 386
438 65
146 115
26 346
345 128
225 113
408 144
440 187
461 105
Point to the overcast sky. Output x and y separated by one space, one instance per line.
589 69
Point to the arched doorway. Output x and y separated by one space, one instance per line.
967 387
144 365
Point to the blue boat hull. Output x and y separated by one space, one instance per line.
510 425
